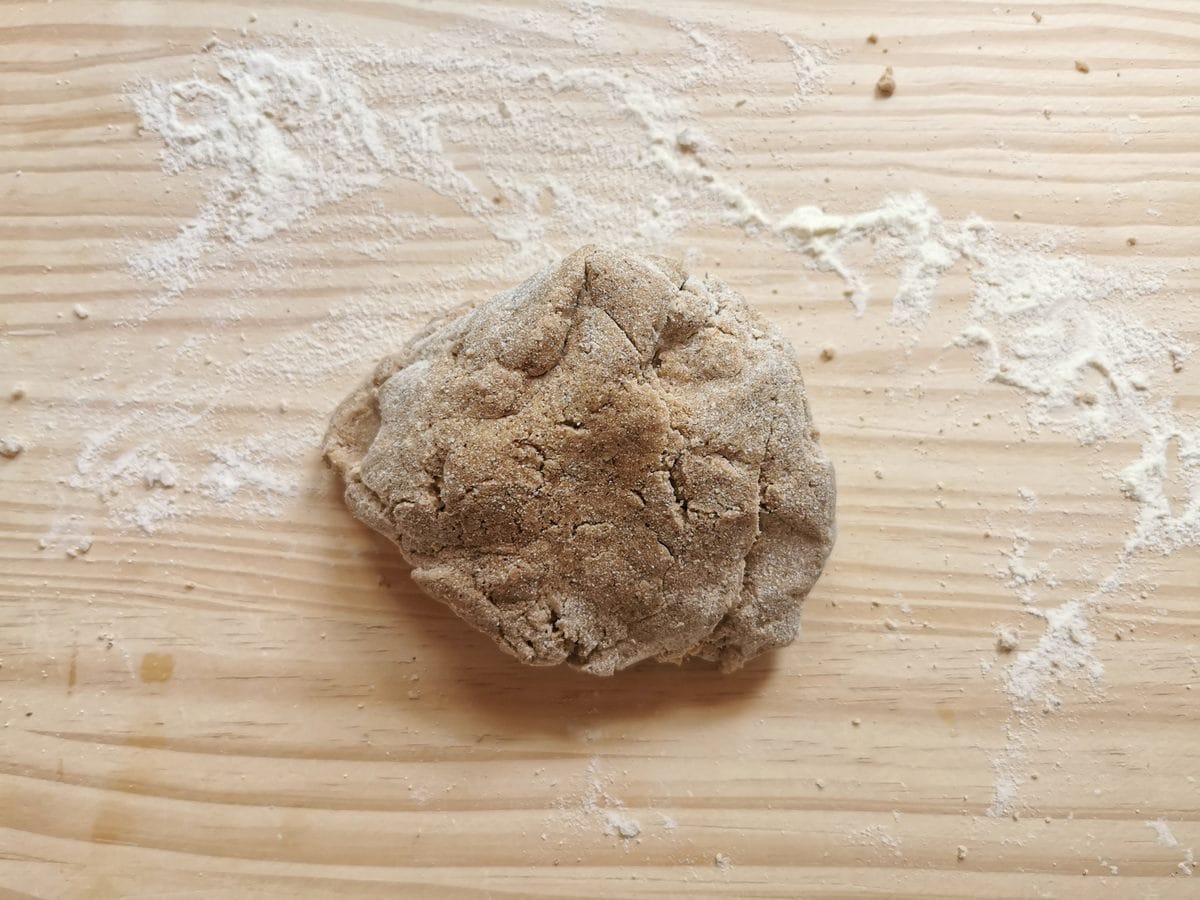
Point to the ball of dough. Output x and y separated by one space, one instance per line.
612 462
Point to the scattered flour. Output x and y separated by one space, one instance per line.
1159 528
1016 572
1065 649
476 126
287 136
1059 330
288 130
239 469
593 808
878 838
68 536
1163 833
1008 768
812 66
1164 837
153 470
149 514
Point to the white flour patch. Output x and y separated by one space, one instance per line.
1017 573
1065 651
286 136
151 469
244 473
1162 527
1163 834
150 514
1164 837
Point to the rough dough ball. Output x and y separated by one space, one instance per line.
612 462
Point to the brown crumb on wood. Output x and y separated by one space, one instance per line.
1131 241
872 38
1081 66
962 853
827 354
1037 16
886 85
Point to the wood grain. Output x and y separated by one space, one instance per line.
266 706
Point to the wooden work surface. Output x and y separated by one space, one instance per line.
246 705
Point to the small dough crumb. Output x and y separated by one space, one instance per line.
962 852
886 85
82 546
872 38
721 861
622 825
1081 66
827 354
17 392
1037 16
1008 639
11 448
160 472
689 141
81 311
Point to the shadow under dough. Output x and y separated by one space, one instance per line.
547 698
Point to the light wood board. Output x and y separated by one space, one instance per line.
299 721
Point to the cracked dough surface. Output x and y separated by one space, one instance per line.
612 462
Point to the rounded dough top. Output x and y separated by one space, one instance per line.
612 462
